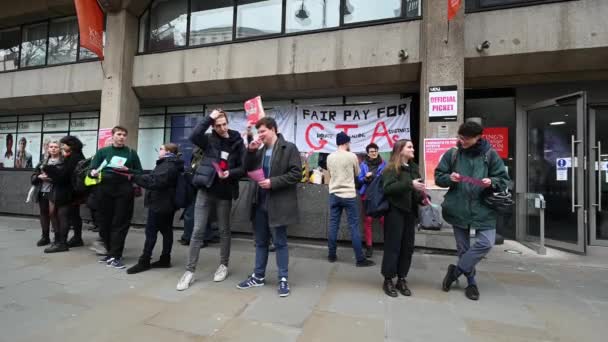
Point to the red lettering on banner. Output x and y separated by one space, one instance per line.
383 133
345 128
322 142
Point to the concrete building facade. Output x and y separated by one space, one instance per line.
536 68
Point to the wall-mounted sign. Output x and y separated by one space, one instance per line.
498 137
443 103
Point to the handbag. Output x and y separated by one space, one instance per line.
501 202
429 216
32 194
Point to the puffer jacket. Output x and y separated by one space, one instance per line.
462 205
160 184
61 177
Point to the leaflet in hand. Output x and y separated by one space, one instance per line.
256 175
104 163
117 162
217 168
471 180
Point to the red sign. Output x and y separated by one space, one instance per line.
104 138
254 110
453 7
498 137
433 151
90 24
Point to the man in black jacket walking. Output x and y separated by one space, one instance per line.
275 203
217 180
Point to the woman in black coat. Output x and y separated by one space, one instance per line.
160 200
48 214
62 195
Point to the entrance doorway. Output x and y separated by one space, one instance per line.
598 175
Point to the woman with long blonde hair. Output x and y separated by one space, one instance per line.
404 190
48 213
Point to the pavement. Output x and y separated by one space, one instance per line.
71 297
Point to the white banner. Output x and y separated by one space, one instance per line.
284 116
382 123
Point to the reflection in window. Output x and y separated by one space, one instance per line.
255 18
211 21
9 49
149 141
63 40
168 22
33 47
364 10
305 15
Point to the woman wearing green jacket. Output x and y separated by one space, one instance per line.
471 171
403 189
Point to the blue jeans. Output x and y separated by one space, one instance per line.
469 256
336 205
262 239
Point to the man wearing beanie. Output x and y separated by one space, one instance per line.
343 167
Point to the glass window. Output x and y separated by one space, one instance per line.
63 40
364 10
153 121
305 15
84 124
211 21
168 22
30 126
86 54
9 49
56 125
33 46
82 115
152 110
147 146
89 142
256 18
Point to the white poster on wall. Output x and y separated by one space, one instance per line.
443 103
27 152
7 149
89 142
382 123
284 116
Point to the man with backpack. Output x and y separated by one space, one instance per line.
343 167
217 180
471 171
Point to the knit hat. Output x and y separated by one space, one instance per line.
342 138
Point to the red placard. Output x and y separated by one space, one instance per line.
90 23
254 110
433 151
104 138
498 137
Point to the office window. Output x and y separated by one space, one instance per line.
168 24
306 15
211 20
257 18
63 40
33 46
363 10
9 48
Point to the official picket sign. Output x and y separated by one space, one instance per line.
443 103
382 123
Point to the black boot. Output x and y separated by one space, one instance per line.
369 251
58 246
389 288
142 265
44 240
75 241
163 262
402 287
472 292
449 278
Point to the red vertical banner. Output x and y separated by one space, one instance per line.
104 138
498 137
90 24
453 7
434 150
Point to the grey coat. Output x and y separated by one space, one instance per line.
285 174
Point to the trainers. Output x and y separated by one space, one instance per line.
252 281
116 263
449 278
365 263
283 287
472 292
221 273
105 260
185 281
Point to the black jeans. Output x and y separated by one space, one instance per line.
48 214
399 235
76 220
115 202
158 222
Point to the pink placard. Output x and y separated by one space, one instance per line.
256 175
217 168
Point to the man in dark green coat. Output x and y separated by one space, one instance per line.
470 171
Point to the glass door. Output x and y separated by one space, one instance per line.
555 152
598 176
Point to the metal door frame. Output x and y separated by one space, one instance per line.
578 143
594 191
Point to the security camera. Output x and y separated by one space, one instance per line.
483 46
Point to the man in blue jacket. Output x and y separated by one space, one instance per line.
371 167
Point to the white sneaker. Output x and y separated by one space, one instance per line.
221 273
186 280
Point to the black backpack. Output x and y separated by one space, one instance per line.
376 205
80 173
184 190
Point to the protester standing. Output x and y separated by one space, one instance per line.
115 193
474 158
48 214
274 204
371 167
404 191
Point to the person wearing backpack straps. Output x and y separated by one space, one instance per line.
63 197
160 188
404 190
474 170
115 193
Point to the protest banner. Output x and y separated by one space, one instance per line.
382 123
434 150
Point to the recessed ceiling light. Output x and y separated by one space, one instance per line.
557 123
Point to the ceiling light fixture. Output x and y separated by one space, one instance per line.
302 13
557 123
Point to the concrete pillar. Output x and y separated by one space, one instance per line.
442 57
119 104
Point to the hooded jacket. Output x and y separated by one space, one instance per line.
160 184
